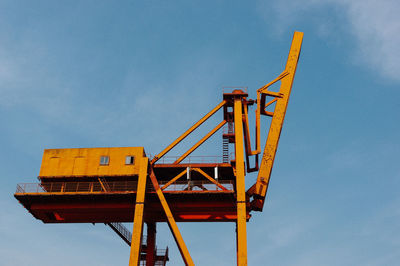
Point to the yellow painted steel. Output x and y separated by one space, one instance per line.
206 137
190 130
102 185
260 91
259 190
270 102
247 143
171 221
174 179
137 233
210 178
271 93
258 111
86 162
241 235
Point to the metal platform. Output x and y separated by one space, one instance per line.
205 202
194 200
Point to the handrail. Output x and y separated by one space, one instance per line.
119 186
191 159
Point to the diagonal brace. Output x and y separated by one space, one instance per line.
190 130
174 179
210 178
171 221
209 134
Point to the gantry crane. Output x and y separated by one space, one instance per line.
115 185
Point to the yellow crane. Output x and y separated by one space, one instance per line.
114 185
269 103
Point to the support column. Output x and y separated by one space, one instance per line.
151 244
241 235
137 233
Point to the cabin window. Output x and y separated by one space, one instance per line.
130 159
104 160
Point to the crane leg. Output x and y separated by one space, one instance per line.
241 235
137 233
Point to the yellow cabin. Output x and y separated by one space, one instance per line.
83 162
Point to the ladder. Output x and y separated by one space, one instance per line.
118 228
126 235
225 143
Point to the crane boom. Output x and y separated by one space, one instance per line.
259 190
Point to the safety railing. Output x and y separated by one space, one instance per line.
162 252
228 89
125 233
161 257
228 129
191 159
119 186
198 185
54 187
30 187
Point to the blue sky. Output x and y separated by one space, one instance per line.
132 73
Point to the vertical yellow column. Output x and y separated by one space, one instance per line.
138 219
241 235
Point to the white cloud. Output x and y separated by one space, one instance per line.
375 26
